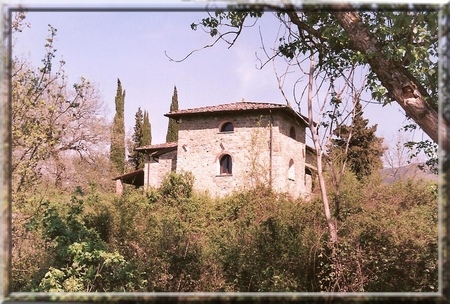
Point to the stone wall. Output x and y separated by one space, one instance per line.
201 146
157 170
287 150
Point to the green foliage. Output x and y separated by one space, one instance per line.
407 37
160 234
146 131
136 158
174 239
263 243
388 240
172 128
117 150
257 173
410 38
177 186
403 37
81 260
236 17
430 149
91 270
361 148
141 137
55 128
49 120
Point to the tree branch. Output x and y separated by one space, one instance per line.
392 75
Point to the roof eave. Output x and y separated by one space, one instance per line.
286 109
157 147
129 174
166 149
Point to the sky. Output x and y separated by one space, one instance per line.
134 47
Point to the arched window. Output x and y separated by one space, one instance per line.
291 171
292 133
227 127
226 164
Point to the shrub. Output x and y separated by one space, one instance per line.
177 186
81 261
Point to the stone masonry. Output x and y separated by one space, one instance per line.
266 145
201 144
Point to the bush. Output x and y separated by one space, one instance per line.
173 239
177 186
262 242
81 261
389 244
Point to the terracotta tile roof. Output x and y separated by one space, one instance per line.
130 174
237 106
229 107
157 147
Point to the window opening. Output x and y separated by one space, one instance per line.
292 132
227 127
226 164
291 171
308 171
308 179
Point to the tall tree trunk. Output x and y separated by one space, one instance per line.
323 190
401 85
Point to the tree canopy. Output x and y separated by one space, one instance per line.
53 122
398 44
362 148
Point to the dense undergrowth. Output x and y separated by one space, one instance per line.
174 239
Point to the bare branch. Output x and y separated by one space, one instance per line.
196 50
220 37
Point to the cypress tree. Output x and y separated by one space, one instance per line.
117 151
141 137
135 158
365 149
172 129
146 131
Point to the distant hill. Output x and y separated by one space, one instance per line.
406 172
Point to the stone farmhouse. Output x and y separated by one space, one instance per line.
232 147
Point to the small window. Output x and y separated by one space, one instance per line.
292 133
226 164
291 171
308 171
308 180
227 127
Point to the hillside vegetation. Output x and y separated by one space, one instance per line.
173 239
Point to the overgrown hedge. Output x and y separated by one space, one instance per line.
173 239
